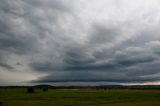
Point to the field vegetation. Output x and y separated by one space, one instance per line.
79 97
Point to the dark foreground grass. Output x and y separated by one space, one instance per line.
19 97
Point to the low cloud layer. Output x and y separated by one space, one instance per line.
79 41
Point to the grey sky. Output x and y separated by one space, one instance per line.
54 41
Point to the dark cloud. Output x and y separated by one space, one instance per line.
120 63
14 34
56 5
46 66
103 34
78 57
18 64
93 77
6 66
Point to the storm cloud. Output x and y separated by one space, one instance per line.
52 41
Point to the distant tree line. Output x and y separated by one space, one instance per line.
46 87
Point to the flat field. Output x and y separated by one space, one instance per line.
19 97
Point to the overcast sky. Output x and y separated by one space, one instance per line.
79 41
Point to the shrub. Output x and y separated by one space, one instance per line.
1 103
45 89
30 90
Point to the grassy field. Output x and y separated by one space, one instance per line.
19 97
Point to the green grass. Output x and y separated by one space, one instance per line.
19 97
